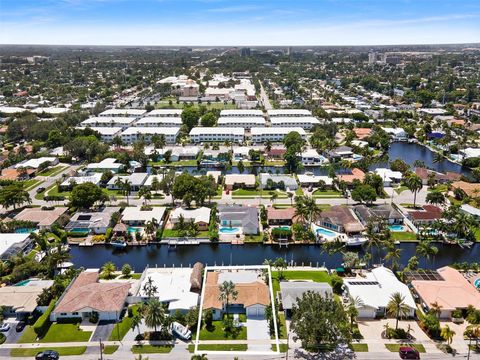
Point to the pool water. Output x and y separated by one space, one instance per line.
79 230
325 232
133 230
228 230
22 283
24 230
285 227
396 228
476 283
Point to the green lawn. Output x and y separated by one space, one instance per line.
327 194
476 232
52 171
396 347
282 330
174 233
403 236
30 184
62 351
28 336
219 347
254 238
400 189
174 163
283 348
359 347
216 332
313 275
121 328
110 349
440 187
65 333
247 192
151 349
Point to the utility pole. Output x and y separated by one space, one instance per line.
101 350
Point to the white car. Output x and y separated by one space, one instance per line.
4 327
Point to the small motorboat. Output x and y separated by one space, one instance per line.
181 331
119 244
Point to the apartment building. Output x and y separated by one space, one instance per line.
133 134
241 113
244 122
217 134
135 113
107 133
165 113
305 122
159 121
109 121
274 134
289 113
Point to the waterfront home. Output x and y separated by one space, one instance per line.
374 290
199 216
215 155
138 216
389 177
470 210
440 178
340 219
176 288
349 176
70 182
136 181
446 287
96 222
283 216
35 163
306 180
362 133
253 295
276 153
397 134
21 301
43 219
385 212
312 157
427 216
177 153
238 216
340 153
470 189
86 295
108 164
217 134
13 244
291 291
277 181
470 152
233 181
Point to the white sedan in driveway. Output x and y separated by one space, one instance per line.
4 327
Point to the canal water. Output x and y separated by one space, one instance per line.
249 254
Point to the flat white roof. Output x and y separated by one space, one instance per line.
217 131
108 120
150 178
49 110
243 120
9 239
128 112
108 163
470 209
201 214
251 113
104 130
294 119
151 130
136 179
12 109
276 130
94 179
136 214
289 112
164 112
309 179
35 163
159 120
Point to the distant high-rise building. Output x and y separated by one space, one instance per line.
289 50
245 51
372 57
392 59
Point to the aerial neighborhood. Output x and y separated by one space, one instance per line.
240 201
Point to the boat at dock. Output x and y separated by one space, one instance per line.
119 244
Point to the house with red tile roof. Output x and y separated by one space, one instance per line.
426 216
280 216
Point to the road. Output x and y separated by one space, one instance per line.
264 98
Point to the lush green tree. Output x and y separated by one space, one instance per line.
14 195
414 183
241 167
227 292
154 314
447 334
190 116
126 270
397 307
209 119
136 321
149 288
399 165
83 196
435 197
318 321
108 270
364 193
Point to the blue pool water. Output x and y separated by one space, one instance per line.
133 230
285 227
325 232
24 230
79 230
396 228
22 283
476 283
228 230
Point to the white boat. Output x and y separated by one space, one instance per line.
181 331
355 241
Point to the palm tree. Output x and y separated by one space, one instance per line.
136 321
396 307
154 314
227 292
149 289
193 229
447 334
393 255
300 209
273 196
181 225
290 196
108 269
151 227
436 308
414 183
127 188
312 209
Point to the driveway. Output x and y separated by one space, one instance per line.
12 336
103 330
257 331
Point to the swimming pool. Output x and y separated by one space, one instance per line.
79 230
325 232
476 283
133 230
396 228
229 230
22 283
24 230
284 227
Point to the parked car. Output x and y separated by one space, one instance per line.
20 325
40 189
4 327
47 355
407 352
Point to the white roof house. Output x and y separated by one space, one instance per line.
470 152
106 133
306 122
136 180
311 156
11 109
396 133
471 210
136 113
109 121
389 176
106 164
262 134
217 134
159 121
165 113
289 112
12 243
94 179
137 215
49 110
150 178
173 286
241 113
35 163
199 215
310 179
375 290
246 122
132 134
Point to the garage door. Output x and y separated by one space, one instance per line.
256 311
366 313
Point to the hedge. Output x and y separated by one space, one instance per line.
43 322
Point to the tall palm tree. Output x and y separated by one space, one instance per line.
414 183
154 313
300 209
273 196
436 308
447 334
290 196
227 292
108 269
393 255
312 209
136 322
151 227
149 289
127 189
396 307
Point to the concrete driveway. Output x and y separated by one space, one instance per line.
12 336
103 330
257 331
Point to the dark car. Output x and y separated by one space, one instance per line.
40 189
407 352
47 355
20 325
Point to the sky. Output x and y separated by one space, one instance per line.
239 23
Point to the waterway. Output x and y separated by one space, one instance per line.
249 254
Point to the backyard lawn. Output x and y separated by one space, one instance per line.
62 351
254 238
52 171
216 332
403 236
327 194
396 347
313 275
151 349
167 233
